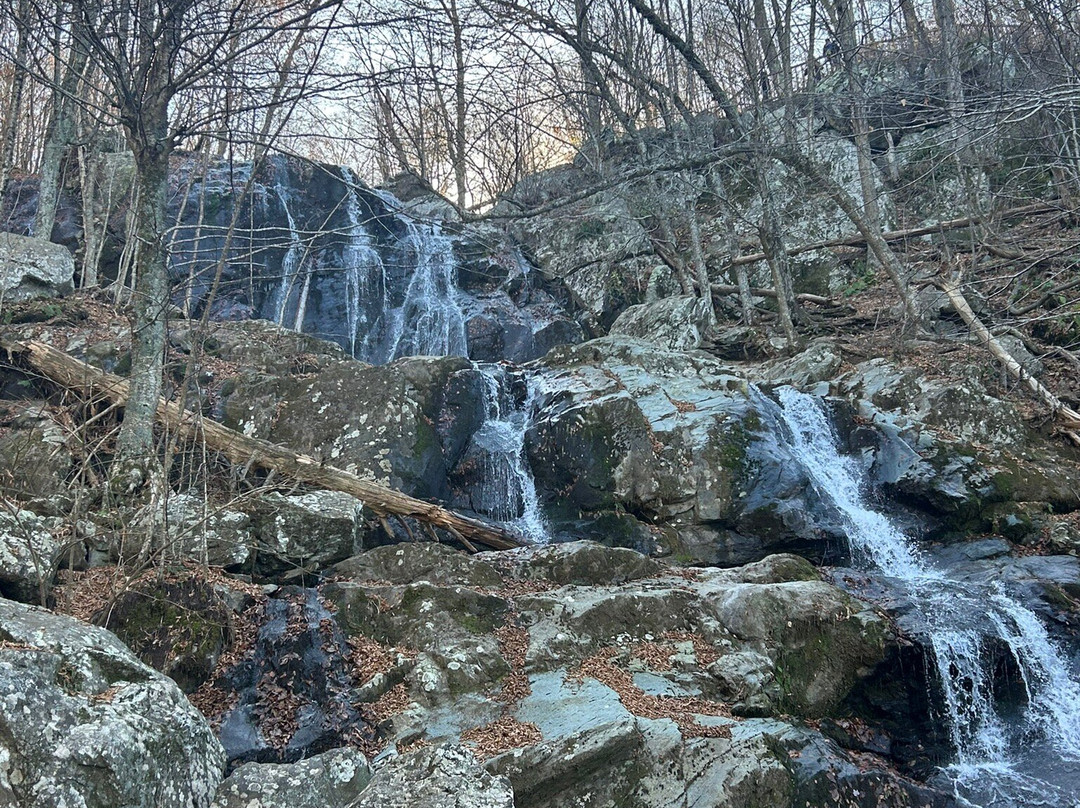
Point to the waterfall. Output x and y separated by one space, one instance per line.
507 491
421 315
291 265
964 623
366 288
430 320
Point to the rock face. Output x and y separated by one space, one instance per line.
330 780
327 255
594 676
87 725
32 267
680 441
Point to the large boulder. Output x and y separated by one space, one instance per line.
33 267
680 441
673 323
29 553
439 777
330 780
85 724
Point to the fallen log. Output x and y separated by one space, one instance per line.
1068 418
73 374
802 297
858 239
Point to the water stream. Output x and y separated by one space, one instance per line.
1001 760
291 264
507 491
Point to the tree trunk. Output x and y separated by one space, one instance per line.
58 140
13 111
151 293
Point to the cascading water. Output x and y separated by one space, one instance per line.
430 320
291 264
366 289
507 492
964 624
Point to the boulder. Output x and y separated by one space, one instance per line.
673 323
382 422
220 537
439 777
311 530
86 724
425 561
333 779
34 457
33 267
581 563
29 554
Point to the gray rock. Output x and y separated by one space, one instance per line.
583 563
424 561
219 537
33 267
85 724
29 553
311 530
34 457
673 323
439 777
330 780
818 363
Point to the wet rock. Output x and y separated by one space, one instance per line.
288 696
424 561
440 777
672 323
330 780
84 723
32 267
679 441
738 343
29 554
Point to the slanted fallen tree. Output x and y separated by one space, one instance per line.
72 374
1067 418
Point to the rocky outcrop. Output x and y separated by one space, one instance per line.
592 676
32 267
679 441
85 724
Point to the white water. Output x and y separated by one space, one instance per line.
430 320
965 623
507 492
291 264
366 293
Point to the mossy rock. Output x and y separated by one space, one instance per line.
179 626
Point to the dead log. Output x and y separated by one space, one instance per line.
1068 418
72 374
858 239
802 297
